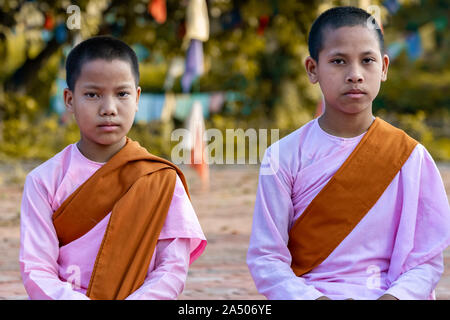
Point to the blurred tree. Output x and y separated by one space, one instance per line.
253 48
419 76
256 49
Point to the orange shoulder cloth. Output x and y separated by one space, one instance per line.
349 195
137 188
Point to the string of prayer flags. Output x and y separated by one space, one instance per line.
159 106
150 107
216 102
183 105
185 102
169 107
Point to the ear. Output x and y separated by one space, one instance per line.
138 95
385 67
311 69
68 100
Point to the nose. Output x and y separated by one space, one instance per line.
354 75
108 107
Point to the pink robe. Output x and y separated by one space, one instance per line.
51 272
395 249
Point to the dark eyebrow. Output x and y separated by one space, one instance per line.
91 86
365 53
124 86
337 53
94 86
341 54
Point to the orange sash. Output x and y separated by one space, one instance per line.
349 195
137 188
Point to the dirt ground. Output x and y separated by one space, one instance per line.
225 213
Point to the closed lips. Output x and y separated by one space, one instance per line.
109 124
355 91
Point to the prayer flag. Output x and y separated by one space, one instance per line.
196 127
392 6
194 64
176 69
197 23
395 48
414 46
157 8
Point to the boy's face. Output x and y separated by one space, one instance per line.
104 101
350 69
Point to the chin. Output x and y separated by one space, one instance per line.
108 141
354 109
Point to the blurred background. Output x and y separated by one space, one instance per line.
242 63
243 60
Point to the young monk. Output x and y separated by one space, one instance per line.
348 206
105 219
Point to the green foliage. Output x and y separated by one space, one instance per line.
39 139
409 90
265 66
154 136
419 126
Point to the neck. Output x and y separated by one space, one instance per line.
345 125
97 152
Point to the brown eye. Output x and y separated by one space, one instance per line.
124 94
91 95
337 61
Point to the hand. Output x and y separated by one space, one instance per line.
387 297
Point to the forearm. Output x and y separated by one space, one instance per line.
43 285
419 282
166 281
275 279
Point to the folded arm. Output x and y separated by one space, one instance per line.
418 282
